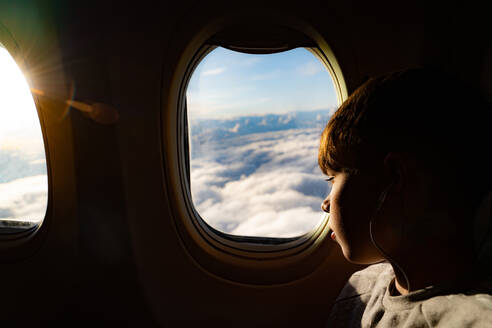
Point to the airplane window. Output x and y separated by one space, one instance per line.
23 173
254 126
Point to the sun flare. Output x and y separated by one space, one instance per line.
18 115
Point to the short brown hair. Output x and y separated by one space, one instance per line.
432 115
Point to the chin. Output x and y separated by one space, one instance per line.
360 257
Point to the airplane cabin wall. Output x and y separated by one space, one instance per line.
109 250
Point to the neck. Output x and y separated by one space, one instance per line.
446 265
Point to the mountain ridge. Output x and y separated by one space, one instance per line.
207 129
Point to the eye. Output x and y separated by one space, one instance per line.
330 179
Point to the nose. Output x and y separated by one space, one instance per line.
325 205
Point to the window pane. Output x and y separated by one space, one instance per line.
23 174
255 123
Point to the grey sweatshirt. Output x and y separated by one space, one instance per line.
366 301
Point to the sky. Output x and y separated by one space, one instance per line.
255 124
227 84
23 174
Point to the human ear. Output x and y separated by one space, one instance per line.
398 167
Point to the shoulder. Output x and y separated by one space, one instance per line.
367 280
363 288
459 310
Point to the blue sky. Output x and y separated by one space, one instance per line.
229 84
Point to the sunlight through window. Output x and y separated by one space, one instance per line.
23 173
254 128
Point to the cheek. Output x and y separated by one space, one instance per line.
350 212
343 221
345 208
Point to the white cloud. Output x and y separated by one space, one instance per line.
264 184
310 68
235 128
288 223
266 76
214 71
24 198
285 119
38 161
249 61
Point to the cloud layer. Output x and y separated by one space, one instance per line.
24 199
264 184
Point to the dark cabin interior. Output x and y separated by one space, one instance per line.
115 247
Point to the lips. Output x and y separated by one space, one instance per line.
330 230
331 233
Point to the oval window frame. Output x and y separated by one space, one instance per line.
22 244
246 260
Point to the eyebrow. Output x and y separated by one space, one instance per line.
329 172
